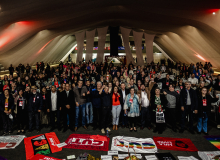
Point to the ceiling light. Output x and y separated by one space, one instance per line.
213 13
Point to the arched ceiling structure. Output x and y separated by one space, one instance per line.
36 30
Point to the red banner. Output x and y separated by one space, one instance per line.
42 157
84 141
177 144
41 144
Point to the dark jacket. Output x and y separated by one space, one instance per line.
165 83
79 96
206 108
48 100
34 107
70 100
96 98
89 88
216 86
163 101
193 97
121 96
10 102
106 100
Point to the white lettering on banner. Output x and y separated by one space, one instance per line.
81 141
165 143
52 142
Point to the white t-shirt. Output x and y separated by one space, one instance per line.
54 101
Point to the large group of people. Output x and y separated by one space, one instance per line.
107 97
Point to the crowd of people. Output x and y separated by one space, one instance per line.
107 96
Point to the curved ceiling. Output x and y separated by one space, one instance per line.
39 30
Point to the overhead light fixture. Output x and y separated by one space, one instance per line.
213 13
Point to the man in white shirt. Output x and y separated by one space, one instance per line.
145 110
53 101
193 80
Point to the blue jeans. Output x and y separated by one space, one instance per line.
37 120
116 110
82 109
202 123
89 117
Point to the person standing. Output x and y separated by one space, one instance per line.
189 104
116 108
158 102
204 110
34 108
123 92
68 103
96 103
80 96
89 110
54 107
145 107
173 99
21 106
131 108
106 106
6 108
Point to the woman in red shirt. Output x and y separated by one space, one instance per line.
116 108
6 86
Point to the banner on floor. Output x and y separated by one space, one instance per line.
41 144
213 155
42 157
84 141
215 140
177 144
10 142
138 145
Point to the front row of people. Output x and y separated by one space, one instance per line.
150 104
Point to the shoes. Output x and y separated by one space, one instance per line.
113 128
135 129
116 127
181 131
52 129
75 129
108 129
65 129
191 131
4 133
103 131
85 127
142 128
131 129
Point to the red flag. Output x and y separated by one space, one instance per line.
177 144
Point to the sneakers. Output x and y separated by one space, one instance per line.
103 131
108 129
